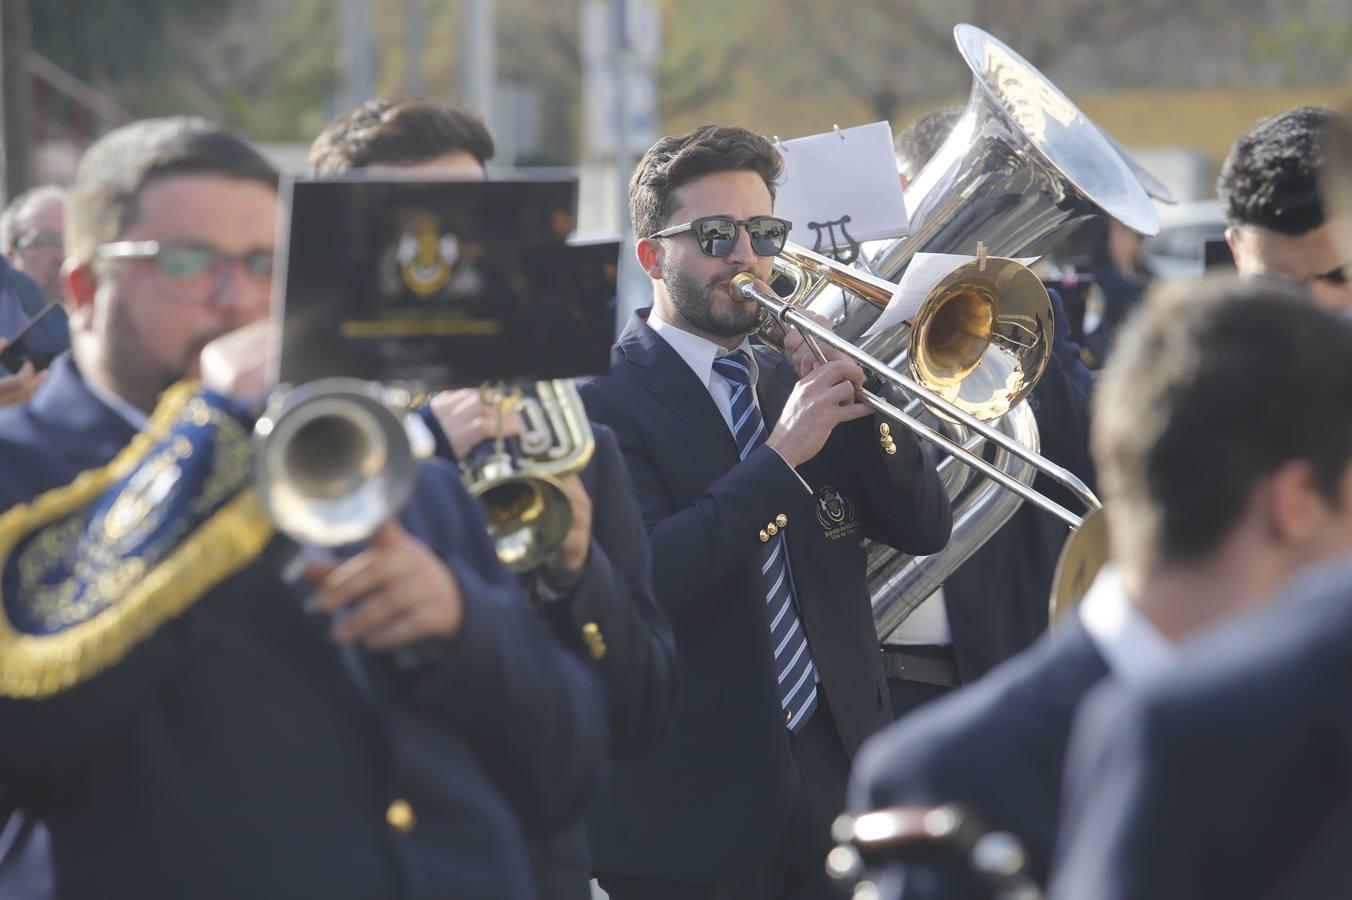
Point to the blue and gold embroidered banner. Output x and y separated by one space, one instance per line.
89 570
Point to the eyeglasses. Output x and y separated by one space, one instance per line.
41 240
717 235
197 270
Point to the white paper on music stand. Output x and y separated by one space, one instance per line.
851 172
925 271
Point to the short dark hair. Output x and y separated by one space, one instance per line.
398 131
917 143
105 199
679 159
1212 386
1271 176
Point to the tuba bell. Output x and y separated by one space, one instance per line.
517 479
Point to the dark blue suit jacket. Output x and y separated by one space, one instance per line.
1230 777
996 747
231 754
712 798
638 665
997 600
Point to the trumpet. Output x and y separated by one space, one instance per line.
335 458
517 480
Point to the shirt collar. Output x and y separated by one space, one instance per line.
698 352
1131 646
124 410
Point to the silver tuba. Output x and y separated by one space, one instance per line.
1021 165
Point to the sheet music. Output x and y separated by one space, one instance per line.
925 271
846 183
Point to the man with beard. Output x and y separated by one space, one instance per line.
758 477
193 730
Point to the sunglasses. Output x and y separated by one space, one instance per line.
198 270
717 235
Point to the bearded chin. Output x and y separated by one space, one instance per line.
695 304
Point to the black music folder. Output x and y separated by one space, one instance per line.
445 283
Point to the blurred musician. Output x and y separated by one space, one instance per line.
758 477
1269 187
187 728
1224 474
596 589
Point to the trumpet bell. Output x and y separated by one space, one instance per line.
528 518
333 462
982 337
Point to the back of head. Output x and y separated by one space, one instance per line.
1271 176
917 143
395 132
1212 386
679 159
104 201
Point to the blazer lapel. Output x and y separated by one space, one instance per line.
665 375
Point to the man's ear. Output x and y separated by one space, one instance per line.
79 284
1294 503
1232 241
650 255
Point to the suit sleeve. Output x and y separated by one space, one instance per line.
531 710
696 548
611 615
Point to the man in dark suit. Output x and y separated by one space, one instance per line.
214 738
595 589
1232 778
758 479
1231 378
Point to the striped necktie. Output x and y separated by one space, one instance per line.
793 660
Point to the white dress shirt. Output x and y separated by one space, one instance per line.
699 354
1130 644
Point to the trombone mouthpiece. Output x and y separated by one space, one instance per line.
741 284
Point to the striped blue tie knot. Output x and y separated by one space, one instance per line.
796 674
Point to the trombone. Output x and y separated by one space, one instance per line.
949 343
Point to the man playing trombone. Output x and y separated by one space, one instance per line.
758 477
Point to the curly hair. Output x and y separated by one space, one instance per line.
1271 176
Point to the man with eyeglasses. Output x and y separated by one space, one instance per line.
1269 188
759 475
240 745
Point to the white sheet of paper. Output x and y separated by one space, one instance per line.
925 271
851 172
